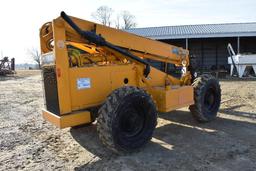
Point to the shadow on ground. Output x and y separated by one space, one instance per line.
11 77
232 111
179 144
230 79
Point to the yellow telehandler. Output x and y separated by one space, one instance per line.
93 72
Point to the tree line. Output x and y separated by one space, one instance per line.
123 19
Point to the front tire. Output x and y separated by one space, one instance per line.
127 119
207 98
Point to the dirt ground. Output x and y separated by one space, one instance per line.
27 142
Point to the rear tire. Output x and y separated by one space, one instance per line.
127 119
207 97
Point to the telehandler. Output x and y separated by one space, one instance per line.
93 72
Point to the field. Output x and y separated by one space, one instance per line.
27 142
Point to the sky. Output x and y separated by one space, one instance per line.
21 20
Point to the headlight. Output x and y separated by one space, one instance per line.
48 58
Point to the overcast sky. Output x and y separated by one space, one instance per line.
21 20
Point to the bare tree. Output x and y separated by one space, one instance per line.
117 22
128 19
35 55
103 15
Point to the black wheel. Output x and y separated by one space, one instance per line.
207 97
127 119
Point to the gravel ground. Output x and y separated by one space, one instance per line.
27 142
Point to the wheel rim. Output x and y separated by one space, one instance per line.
210 99
132 121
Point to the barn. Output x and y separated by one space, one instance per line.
206 42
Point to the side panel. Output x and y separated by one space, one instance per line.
180 97
89 86
172 99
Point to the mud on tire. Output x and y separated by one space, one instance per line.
127 119
207 97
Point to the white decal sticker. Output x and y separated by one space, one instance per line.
83 83
61 44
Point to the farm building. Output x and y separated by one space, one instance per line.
207 42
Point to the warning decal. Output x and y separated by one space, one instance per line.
83 83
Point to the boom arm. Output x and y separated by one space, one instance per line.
139 46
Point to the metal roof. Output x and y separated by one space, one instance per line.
197 31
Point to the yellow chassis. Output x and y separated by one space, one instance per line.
169 93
